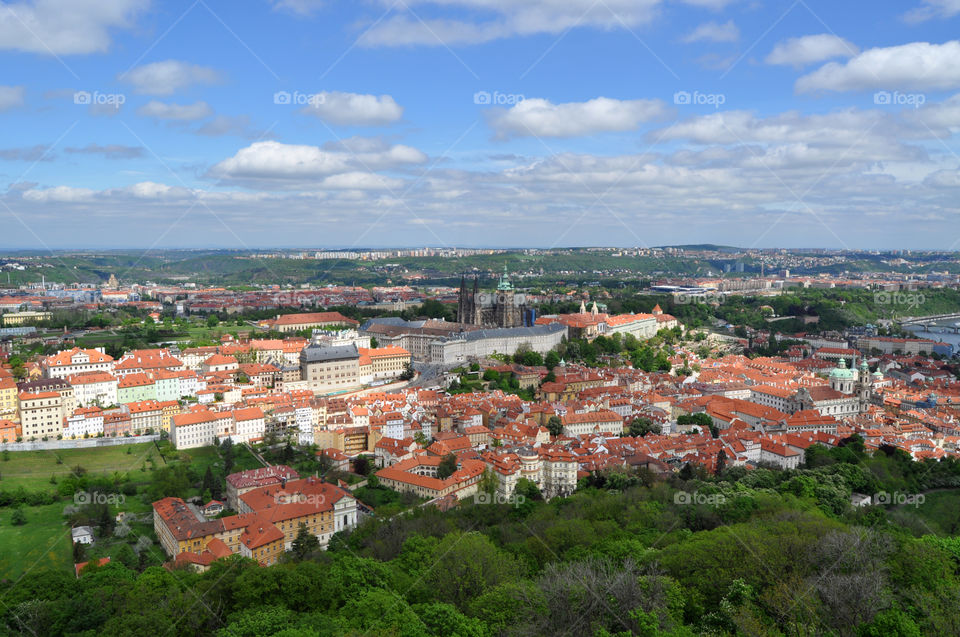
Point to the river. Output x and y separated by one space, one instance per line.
938 332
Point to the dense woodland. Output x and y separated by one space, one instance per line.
761 552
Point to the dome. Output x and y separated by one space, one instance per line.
878 375
841 372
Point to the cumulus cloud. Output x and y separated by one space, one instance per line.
714 32
276 165
808 49
168 77
175 112
541 118
511 18
109 151
10 97
65 27
914 66
354 109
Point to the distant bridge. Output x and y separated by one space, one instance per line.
927 321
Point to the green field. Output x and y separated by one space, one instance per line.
44 541
32 469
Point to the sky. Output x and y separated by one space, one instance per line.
479 123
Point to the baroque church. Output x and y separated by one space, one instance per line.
503 307
849 394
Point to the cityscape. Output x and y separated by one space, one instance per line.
479 318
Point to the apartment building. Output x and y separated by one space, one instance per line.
41 415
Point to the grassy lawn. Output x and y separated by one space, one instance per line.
32 469
44 541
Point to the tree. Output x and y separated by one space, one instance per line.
555 425
305 543
408 372
448 464
721 461
18 517
361 465
488 482
552 360
213 320
641 426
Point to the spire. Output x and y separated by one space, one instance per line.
593 309
583 307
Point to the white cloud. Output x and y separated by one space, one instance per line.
65 27
541 118
353 109
168 77
510 18
176 112
713 5
299 7
272 164
714 32
10 97
930 9
799 52
59 194
914 66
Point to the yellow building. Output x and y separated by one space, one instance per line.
41 415
22 318
9 402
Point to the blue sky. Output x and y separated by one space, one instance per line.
130 123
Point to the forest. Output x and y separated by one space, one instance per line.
759 552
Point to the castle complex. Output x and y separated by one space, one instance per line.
504 307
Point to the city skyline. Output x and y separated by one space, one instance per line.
300 124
